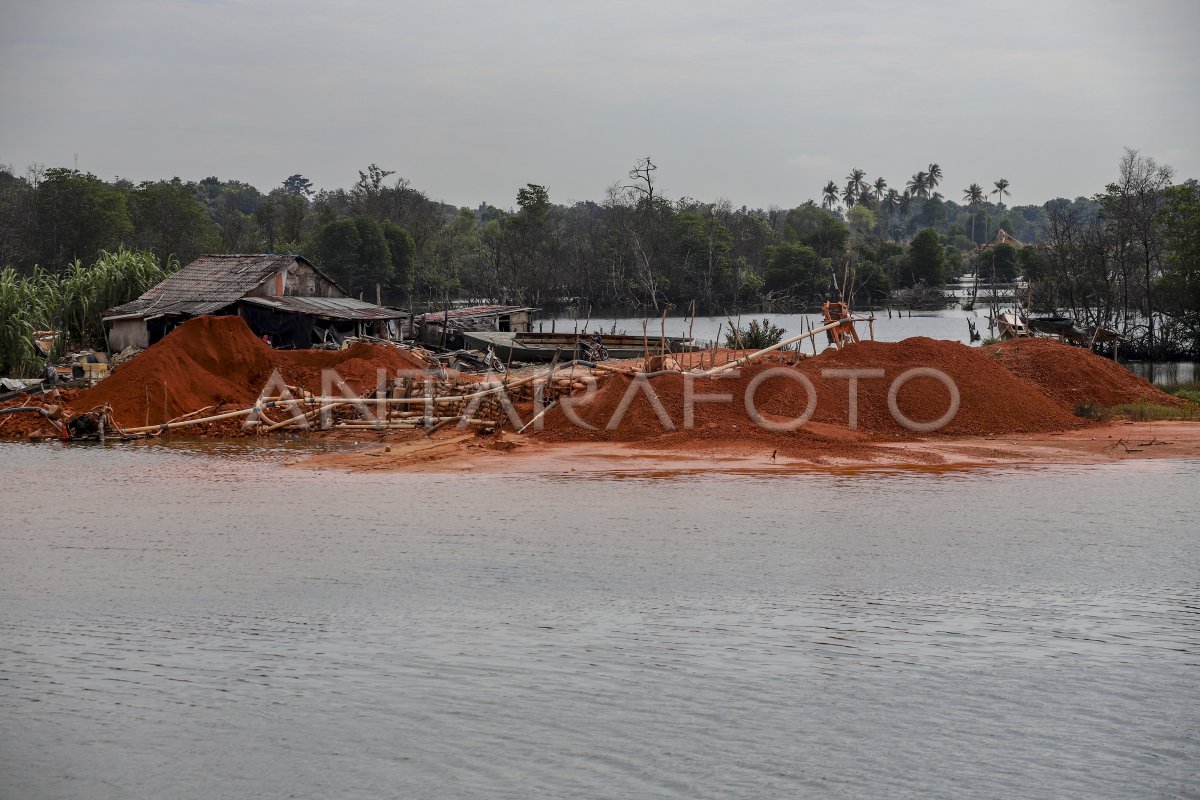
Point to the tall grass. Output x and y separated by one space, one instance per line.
1188 390
26 305
1137 412
85 292
70 303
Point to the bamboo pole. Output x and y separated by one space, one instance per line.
321 403
306 417
415 423
200 421
192 413
540 414
747 359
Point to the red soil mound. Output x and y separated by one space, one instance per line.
219 362
992 400
1074 375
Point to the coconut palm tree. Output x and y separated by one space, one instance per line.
880 188
934 177
974 195
891 202
1001 189
830 198
918 185
849 196
856 182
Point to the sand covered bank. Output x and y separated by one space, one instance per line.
916 402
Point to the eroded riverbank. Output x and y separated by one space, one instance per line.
453 451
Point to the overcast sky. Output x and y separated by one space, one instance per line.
756 102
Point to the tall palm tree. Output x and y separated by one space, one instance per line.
856 182
1001 189
891 202
880 187
849 196
974 195
934 177
905 205
830 198
918 185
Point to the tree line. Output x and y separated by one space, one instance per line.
1120 261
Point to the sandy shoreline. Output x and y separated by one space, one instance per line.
465 452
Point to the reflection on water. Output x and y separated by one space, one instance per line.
1165 373
181 623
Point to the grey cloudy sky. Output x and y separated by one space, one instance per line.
756 102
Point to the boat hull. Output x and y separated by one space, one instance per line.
542 347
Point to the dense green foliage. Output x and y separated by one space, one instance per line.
1133 267
1125 258
636 249
70 303
26 306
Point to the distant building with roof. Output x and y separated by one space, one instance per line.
284 297
445 328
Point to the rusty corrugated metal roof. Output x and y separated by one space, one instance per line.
327 307
208 284
472 311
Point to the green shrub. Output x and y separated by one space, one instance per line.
755 336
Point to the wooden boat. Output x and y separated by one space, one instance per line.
1067 328
539 347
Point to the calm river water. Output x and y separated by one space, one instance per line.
178 622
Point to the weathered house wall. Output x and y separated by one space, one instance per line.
298 280
124 333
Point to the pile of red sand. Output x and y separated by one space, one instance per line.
1023 386
219 362
992 401
1074 376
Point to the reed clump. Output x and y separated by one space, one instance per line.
70 303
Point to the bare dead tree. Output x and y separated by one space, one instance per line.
642 174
